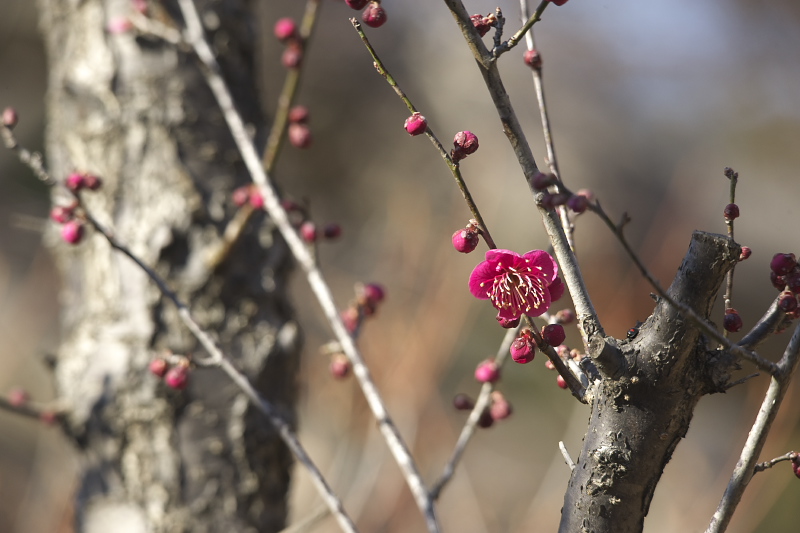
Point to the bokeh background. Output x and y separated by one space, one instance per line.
649 102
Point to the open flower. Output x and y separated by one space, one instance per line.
516 284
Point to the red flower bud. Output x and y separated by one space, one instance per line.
416 124
285 29
374 15
533 59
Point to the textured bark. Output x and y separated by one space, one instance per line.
136 112
639 417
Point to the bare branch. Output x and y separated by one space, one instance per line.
211 71
745 467
767 325
453 165
760 467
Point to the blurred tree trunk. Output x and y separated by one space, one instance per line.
137 112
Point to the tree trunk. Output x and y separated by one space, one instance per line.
137 112
638 419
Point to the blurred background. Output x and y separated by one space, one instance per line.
649 102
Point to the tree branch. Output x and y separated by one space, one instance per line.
745 467
401 453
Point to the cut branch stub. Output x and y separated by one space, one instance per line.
640 413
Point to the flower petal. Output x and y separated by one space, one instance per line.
556 289
547 265
507 257
480 281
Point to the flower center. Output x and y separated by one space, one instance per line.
518 291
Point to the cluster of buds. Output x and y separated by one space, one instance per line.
577 203
523 348
287 32
174 370
309 231
72 226
69 215
365 304
565 353
484 23
467 239
785 276
499 408
374 15
464 144
299 133
248 194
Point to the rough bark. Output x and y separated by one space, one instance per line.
638 418
136 112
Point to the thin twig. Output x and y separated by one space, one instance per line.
733 177
32 159
745 467
26 409
527 25
552 161
217 357
565 453
760 467
212 73
453 165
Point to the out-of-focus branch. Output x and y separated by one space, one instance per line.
400 451
472 421
290 86
746 466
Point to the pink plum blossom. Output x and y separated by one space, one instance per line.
516 284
